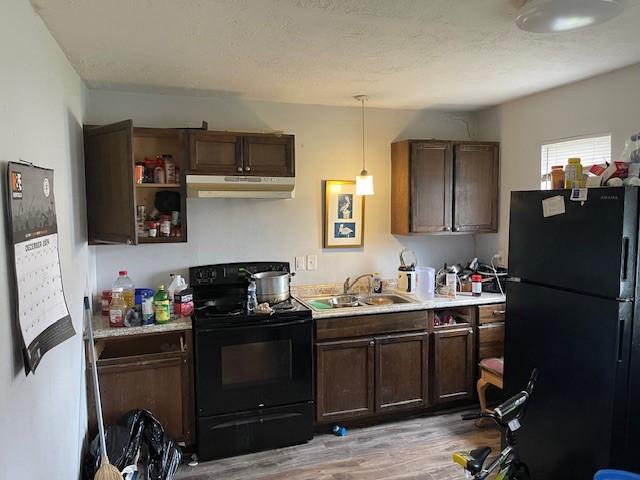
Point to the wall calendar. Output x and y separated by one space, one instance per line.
40 306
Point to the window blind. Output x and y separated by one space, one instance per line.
590 150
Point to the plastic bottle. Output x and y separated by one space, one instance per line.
128 289
177 284
252 299
117 308
573 174
161 305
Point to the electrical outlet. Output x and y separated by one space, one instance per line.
312 262
301 264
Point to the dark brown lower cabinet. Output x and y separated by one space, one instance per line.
344 379
453 365
401 372
152 373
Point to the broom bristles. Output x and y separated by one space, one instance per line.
107 472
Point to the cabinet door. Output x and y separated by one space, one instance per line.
491 340
476 188
401 372
108 162
431 187
159 383
453 365
215 153
269 156
344 379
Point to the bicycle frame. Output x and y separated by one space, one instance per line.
507 460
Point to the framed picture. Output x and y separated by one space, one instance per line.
343 215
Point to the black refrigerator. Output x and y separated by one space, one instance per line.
572 312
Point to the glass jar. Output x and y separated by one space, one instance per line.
557 177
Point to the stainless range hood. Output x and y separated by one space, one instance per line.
220 186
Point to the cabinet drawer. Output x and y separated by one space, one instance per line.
369 325
491 340
491 313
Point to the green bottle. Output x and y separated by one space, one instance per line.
161 306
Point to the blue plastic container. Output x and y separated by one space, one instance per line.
615 475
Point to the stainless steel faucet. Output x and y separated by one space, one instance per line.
348 285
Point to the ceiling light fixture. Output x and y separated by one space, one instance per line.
364 181
553 16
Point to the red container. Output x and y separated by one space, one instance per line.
105 301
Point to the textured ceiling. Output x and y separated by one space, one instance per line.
451 54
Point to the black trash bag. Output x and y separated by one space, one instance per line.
137 431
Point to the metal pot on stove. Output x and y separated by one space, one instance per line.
272 287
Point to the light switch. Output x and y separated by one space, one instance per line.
301 264
312 262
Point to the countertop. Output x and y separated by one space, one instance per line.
101 328
461 300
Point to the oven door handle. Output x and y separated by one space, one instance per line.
259 325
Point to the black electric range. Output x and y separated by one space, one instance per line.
253 372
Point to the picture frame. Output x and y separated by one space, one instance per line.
343 215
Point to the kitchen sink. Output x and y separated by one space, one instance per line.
353 301
384 299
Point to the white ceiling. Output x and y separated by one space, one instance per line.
450 54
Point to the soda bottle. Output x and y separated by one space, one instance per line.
161 305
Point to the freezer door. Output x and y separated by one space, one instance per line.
590 248
575 418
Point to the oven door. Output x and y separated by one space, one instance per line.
253 366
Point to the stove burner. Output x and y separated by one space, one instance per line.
283 305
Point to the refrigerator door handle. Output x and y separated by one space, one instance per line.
620 340
625 257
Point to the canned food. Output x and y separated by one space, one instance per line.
153 229
141 211
165 226
139 173
158 175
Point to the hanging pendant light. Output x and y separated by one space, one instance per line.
553 16
364 181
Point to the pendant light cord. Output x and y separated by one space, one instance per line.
363 162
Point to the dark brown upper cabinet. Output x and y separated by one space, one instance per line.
444 187
215 153
110 155
476 187
269 156
223 153
108 161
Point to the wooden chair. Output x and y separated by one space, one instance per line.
491 373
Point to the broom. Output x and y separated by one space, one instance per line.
106 470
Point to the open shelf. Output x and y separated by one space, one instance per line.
463 316
160 239
158 185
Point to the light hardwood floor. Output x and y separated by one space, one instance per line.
419 448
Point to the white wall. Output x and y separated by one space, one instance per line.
42 416
608 103
328 146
